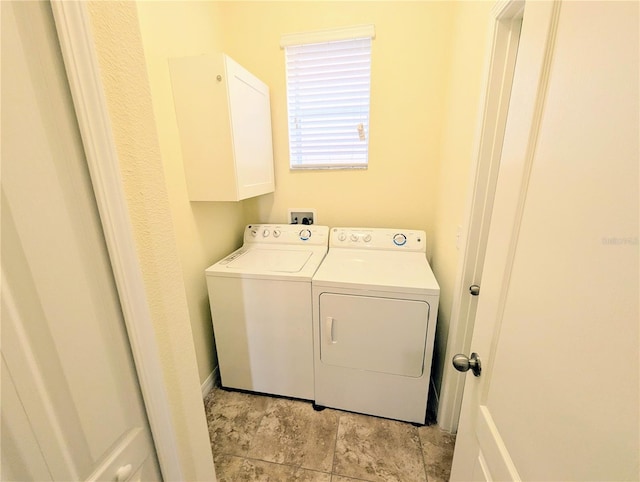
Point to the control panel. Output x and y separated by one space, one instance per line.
378 238
286 234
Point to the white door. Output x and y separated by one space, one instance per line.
384 335
557 323
71 405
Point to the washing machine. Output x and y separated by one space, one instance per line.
375 305
261 308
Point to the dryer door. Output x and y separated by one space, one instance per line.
383 335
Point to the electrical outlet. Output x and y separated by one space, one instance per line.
302 216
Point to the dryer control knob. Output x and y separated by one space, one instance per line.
265 233
354 237
367 238
276 233
254 232
305 234
399 239
342 237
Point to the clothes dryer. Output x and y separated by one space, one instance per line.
260 298
375 304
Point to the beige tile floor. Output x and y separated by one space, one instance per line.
261 438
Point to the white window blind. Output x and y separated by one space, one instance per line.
328 92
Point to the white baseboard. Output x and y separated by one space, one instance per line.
211 381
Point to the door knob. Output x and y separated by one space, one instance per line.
474 290
462 363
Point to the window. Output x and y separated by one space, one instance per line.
328 91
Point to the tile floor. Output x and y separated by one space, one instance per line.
261 438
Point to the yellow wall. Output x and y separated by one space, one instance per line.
410 65
460 123
124 74
204 231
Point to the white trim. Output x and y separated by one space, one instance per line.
508 10
330 35
505 33
210 382
76 42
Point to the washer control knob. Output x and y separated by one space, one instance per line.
305 234
265 233
399 239
254 232
367 238
276 233
354 237
342 237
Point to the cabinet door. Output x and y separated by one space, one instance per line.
374 334
250 112
224 120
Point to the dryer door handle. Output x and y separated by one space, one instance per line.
329 327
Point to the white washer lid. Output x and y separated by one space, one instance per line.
277 260
407 272
268 261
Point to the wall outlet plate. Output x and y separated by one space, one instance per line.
302 216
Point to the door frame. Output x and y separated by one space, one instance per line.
78 51
506 21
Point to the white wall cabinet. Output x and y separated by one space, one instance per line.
224 120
